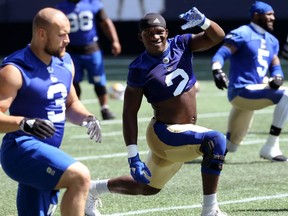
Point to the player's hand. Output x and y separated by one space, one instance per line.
285 51
193 17
94 129
139 170
220 79
40 128
275 82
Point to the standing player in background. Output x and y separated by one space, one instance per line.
36 88
164 74
85 17
252 51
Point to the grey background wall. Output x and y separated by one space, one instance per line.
16 17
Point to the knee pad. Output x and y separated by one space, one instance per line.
100 90
214 151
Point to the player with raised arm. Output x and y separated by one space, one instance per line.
253 51
36 89
164 74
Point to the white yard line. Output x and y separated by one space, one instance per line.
139 212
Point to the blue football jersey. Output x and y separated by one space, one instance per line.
164 76
44 91
82 20
254 55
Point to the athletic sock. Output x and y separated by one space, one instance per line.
98 187
210 200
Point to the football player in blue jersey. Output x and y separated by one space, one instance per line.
36 90
164 74
84 17
253 51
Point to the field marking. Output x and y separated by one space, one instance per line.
141 120
139 212
203 115
124 154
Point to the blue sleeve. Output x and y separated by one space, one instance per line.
276 70
221 55
235 38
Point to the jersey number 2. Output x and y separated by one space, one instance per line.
181 85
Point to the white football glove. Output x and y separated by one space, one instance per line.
94 129
193 17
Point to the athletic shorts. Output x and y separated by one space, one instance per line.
92 64
171 146
257 92
37 167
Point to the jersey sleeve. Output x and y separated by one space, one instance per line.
275 42
181 41
236 37
96 5
135 78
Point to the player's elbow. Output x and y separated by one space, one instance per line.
219 37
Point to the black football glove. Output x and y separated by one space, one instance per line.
285 51
275 82
38 127
220 79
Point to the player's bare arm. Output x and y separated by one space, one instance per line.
207 39
132 103
10 83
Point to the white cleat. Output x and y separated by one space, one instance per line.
272 153
212 211
92 203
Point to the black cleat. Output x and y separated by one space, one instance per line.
107 114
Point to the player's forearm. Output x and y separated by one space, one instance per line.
9 123
215 33
130 129
77 112
110 31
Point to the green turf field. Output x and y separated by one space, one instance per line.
249 186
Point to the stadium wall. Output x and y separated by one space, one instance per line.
16 17
17 35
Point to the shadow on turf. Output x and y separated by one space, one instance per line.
262 210
265 133
198 161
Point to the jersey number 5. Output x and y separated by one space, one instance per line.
262 54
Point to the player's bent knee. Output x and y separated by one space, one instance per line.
148 190
77 174
214 150
81 172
